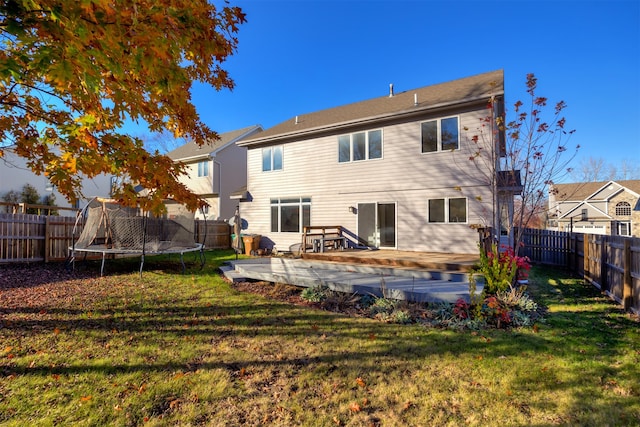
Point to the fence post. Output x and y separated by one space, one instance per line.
627 289
585 250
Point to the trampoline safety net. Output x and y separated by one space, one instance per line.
109 226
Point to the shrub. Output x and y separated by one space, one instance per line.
315 293
499 269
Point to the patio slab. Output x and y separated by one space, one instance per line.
411 284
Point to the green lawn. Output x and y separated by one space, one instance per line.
173 349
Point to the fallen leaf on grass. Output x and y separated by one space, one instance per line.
86 398
360 382
355 407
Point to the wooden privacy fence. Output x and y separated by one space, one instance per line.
29 238
36 238
218 234
611 263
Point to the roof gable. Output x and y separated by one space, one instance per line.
190 150
594 190
468 89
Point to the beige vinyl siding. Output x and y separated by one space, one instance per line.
404 176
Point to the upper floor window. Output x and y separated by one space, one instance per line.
272 158
440 135
623 209
203 168
290 214
360 146
448 210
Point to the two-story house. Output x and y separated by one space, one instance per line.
14 174
609 207
395 171
217 170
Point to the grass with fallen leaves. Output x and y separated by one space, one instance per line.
173 349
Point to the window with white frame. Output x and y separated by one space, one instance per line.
289 215
203 168
440 135
272 158
360 146
623 228
447 210
623 209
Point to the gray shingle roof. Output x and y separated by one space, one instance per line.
191 150
581 190
474 88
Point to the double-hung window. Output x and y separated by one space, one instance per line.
203 168
289 215
360 146
440 135
448 210
272 158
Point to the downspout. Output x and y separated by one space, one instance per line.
219 168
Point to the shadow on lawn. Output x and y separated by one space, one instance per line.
572 346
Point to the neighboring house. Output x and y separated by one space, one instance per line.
216 171
610 207
14 174
393 171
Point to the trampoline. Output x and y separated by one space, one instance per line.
109 228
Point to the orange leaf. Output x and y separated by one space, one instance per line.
56 331
360 382
354 407
86 398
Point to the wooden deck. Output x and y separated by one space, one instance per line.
393 258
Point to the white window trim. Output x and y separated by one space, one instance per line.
366 146
446 210
271 149
439 134
277 201
202 168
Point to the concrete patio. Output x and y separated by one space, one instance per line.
410 276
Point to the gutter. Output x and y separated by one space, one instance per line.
364 121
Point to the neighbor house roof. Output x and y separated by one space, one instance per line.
582 190
191 150
407 103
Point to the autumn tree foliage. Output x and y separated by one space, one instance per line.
73 72
536 145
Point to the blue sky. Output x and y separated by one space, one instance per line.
296 57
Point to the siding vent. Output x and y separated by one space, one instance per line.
390 90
